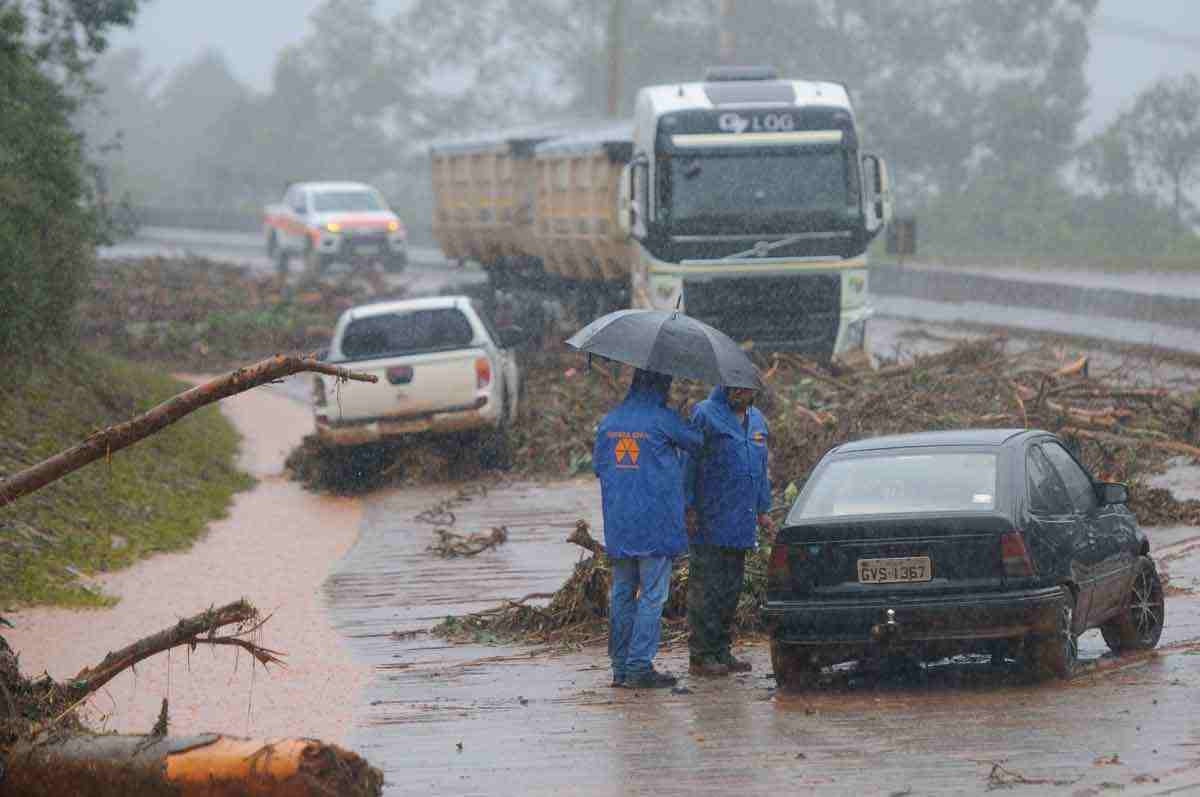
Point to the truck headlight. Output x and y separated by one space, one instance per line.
333 226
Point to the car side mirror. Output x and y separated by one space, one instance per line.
1113 493
511 336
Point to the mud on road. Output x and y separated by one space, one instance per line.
494 719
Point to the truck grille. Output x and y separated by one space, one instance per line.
796 313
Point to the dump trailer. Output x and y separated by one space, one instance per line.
743 200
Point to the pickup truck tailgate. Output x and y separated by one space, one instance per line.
410 385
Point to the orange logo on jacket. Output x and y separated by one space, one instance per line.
628 449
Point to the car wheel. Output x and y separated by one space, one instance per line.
1140 623
1054 655
793 666
495 450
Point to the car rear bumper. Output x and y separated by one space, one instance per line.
997 615
374 430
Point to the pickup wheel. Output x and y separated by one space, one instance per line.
794 667
495 450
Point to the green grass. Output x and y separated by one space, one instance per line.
158 495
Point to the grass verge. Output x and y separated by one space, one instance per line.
158 495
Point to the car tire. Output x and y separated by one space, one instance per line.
396 263
1054 655
495 445
794 668
1140 622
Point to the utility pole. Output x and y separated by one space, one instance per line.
726 44
616 53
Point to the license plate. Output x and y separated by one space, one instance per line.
893 571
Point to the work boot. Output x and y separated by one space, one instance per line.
735 665
650 679
708 667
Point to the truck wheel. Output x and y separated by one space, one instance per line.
1056 654
793 666
1140 623
396 263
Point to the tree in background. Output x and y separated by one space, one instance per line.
48 229
1152 149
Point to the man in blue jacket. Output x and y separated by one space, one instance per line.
639 458
729 497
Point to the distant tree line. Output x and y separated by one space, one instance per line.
49 223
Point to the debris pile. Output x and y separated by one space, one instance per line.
1122 432
204 313
449 545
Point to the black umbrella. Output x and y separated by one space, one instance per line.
668 342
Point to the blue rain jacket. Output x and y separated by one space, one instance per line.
639 457
728 483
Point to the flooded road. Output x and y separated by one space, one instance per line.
484 719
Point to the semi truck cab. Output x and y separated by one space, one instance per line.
751 208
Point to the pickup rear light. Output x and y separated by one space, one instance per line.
319 397
483 372
1015 555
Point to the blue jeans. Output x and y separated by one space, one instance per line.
636 600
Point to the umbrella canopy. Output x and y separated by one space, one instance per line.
669 342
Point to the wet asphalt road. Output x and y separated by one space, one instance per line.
534 722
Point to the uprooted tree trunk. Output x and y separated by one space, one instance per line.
108 441
210 764
53 757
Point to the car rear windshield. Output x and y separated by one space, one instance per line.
352 201
901 483
411 332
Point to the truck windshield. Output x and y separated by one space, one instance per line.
901 483
395 334
355 201
702 187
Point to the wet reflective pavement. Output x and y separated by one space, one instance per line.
480 719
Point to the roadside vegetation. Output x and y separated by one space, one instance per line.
156 496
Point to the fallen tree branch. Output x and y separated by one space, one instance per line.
192 631
106 442
582 536
449 545
1112 437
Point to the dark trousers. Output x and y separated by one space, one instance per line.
714 585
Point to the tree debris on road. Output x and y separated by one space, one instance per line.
449 545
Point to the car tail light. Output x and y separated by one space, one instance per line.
1015 555
778 567
483 372
319 398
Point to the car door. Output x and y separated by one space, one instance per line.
1105 539
1056 534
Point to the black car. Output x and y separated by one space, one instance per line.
937 544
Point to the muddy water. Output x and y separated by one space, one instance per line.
480 719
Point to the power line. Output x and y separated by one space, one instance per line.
1128 29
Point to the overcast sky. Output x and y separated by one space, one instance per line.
1135 41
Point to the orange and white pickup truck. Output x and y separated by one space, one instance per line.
442 367
325 223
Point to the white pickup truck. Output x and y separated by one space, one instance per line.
442 367
323 223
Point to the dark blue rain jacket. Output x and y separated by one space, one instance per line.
728 483
639 458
